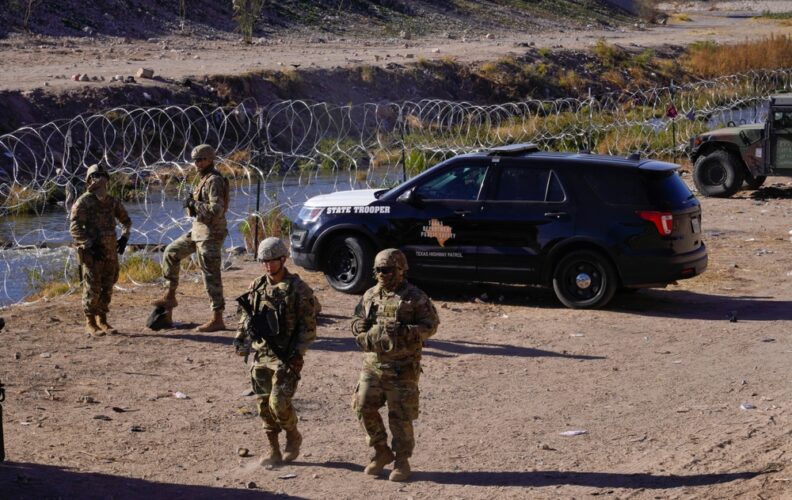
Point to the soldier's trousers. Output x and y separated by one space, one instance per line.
99 276
210 258
398 388
274 387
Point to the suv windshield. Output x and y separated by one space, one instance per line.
640 188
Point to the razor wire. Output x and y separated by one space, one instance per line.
277 156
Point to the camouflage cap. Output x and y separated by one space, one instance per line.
271 248
391 257
203 152
95 169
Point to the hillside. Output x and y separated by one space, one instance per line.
212 18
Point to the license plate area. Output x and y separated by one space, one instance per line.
695 224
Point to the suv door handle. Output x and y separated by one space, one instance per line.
462 212
556 215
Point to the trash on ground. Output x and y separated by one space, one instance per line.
577 432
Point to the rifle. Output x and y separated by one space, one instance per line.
265 326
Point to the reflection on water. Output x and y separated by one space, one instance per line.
157 219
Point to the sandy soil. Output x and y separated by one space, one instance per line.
31 63
656 380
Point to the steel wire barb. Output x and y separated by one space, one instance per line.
292 150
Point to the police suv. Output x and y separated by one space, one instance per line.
585 225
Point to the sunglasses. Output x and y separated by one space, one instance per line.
384 270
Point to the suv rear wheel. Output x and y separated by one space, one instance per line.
348 263
584 279
719 174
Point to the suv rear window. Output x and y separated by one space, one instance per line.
641 188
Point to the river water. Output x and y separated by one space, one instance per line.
157 219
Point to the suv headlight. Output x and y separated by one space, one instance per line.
310 214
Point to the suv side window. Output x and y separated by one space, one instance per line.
529 184
459 183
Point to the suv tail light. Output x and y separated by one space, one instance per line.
663 221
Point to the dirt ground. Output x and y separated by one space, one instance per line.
30 63
658 381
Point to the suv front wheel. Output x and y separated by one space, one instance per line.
584 279
348 264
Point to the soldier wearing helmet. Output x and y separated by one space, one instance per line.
392 321
208 204
277 320
92 224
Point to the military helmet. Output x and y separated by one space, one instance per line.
271 248
95 169
203 152
391 257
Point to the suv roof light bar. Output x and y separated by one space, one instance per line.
513 150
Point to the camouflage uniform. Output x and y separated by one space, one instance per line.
92 226
391 327
273 382
206 237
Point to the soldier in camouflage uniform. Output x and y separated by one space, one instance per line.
275 379
208 204
392 321
92 223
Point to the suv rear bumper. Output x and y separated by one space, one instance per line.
656 270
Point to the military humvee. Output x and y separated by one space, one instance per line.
725 158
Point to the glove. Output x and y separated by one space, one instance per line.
189 203
296 364
360 326
240 348
122 243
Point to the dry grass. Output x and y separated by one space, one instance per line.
707 60
138 268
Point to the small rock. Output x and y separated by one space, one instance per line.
136 428
243 452
287 476
435 51
17 355
747 406
85 78
251 485
489 36
45 355
145 73
76 77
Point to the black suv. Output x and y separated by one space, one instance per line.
584 224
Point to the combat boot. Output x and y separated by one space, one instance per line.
91 328
401 470
382 457
293 442
101 320
168 301
274 457
215 324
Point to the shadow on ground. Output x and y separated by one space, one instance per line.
27 480
591 479
654 302
451 348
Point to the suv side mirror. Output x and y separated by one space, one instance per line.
410 197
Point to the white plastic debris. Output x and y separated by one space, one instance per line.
180 395
576 432
747 406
